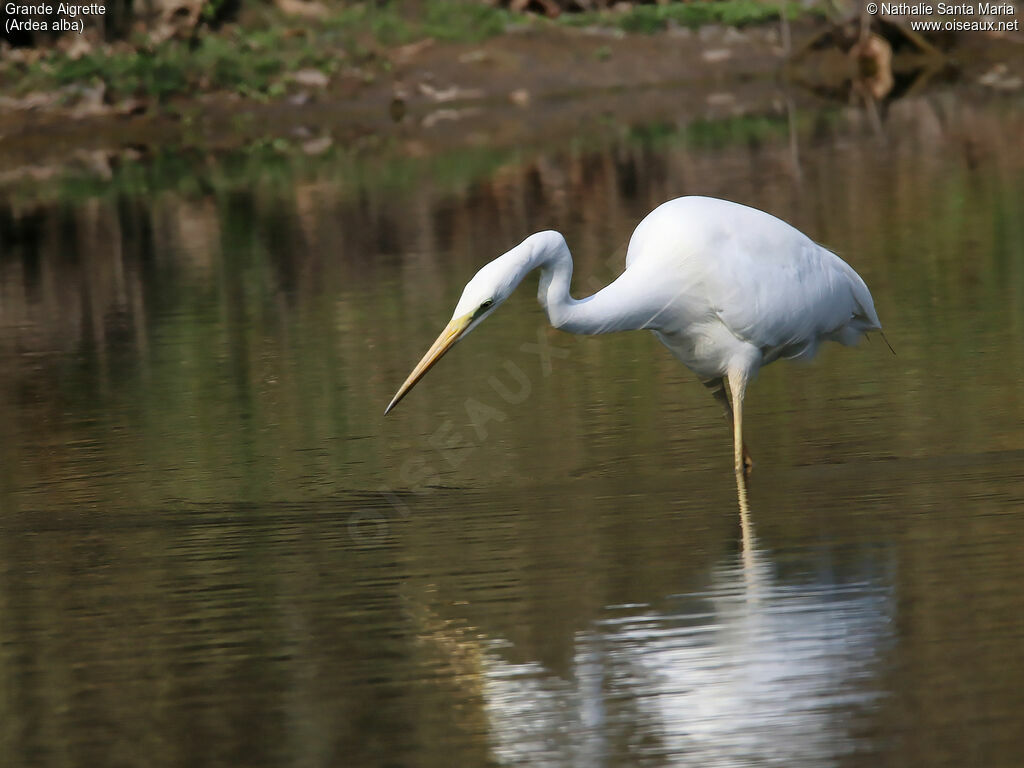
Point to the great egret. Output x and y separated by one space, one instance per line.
725 287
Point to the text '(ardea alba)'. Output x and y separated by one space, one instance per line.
725 287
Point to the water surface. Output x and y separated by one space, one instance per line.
215 550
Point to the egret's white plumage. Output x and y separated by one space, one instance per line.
725 287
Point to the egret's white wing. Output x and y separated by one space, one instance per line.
767 282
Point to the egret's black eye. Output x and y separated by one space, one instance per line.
486 304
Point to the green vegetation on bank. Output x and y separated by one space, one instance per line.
465 21
651 19
256 56
449 20
250 61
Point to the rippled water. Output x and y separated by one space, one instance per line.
215 550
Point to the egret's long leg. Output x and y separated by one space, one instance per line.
717 387
738 386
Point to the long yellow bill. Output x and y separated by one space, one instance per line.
451 334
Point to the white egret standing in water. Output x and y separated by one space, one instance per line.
726 288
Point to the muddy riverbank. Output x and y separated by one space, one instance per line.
523 88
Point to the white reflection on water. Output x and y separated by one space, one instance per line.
750 671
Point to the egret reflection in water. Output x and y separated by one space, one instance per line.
753 668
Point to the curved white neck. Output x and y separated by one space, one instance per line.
614 308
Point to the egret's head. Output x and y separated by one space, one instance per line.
482 295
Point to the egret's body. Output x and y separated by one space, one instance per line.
725 287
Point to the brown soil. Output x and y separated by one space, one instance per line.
519 88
